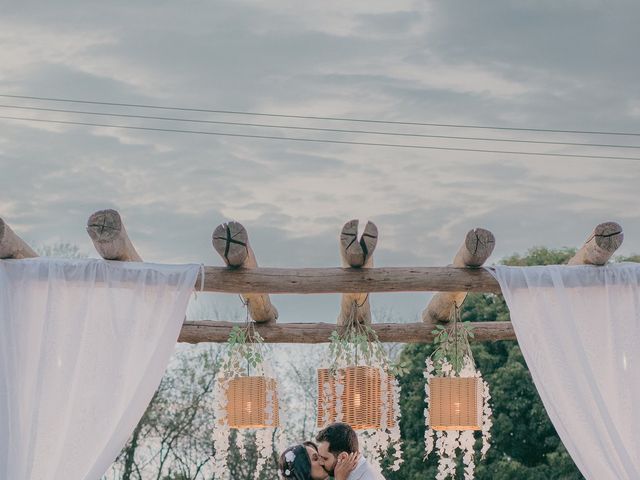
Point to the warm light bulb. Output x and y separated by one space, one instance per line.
248 407
356 400
456 408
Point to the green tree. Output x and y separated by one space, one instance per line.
524 443
65 250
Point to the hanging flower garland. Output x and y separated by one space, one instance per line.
245 397
359 387
457 399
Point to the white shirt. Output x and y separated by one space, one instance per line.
363 471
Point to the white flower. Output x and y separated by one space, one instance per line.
289 457
287 472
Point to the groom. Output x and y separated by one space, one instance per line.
335 443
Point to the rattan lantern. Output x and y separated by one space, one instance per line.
360 399
252 402
455 403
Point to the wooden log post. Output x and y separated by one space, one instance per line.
605 239
11 245
218 332
356 253
231 241
474 251
106 229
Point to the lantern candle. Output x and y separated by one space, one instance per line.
247 403
360 399
455 403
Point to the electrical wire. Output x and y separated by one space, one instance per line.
308 117
315 140
317 129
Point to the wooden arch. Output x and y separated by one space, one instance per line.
355 280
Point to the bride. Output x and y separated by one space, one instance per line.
301 462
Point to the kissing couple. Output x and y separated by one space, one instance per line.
337 454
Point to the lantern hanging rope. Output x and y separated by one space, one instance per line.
245 398
457 399
358 386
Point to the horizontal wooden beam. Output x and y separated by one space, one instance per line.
347 280
218 332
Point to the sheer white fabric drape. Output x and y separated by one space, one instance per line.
579 331
83 346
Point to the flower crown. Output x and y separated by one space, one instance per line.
289 458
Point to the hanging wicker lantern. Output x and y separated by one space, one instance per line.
455 403
361 402
252 402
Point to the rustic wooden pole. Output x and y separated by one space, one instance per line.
218 332
474 251
106 229
11 245
231 241
356 253
347 280
605 239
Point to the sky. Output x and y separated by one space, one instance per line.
526 64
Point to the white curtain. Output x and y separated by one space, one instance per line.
83 346
579 331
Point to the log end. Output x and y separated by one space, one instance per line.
231 241
11 245
356 251
104 226
106 229
600 246
5 251
608 236
478 244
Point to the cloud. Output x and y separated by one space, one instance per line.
527 64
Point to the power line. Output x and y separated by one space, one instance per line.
308 117
317 129
315 140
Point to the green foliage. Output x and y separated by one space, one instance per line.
525 446
244 344
451 344
631 258
64 250
358 344
540 256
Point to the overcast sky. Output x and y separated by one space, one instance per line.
542 64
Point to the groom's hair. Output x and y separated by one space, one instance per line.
340 437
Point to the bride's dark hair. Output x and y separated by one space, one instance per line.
294 463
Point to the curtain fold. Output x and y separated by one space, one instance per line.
579 331
83 347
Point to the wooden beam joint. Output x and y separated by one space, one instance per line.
474 251
231 241
356 253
